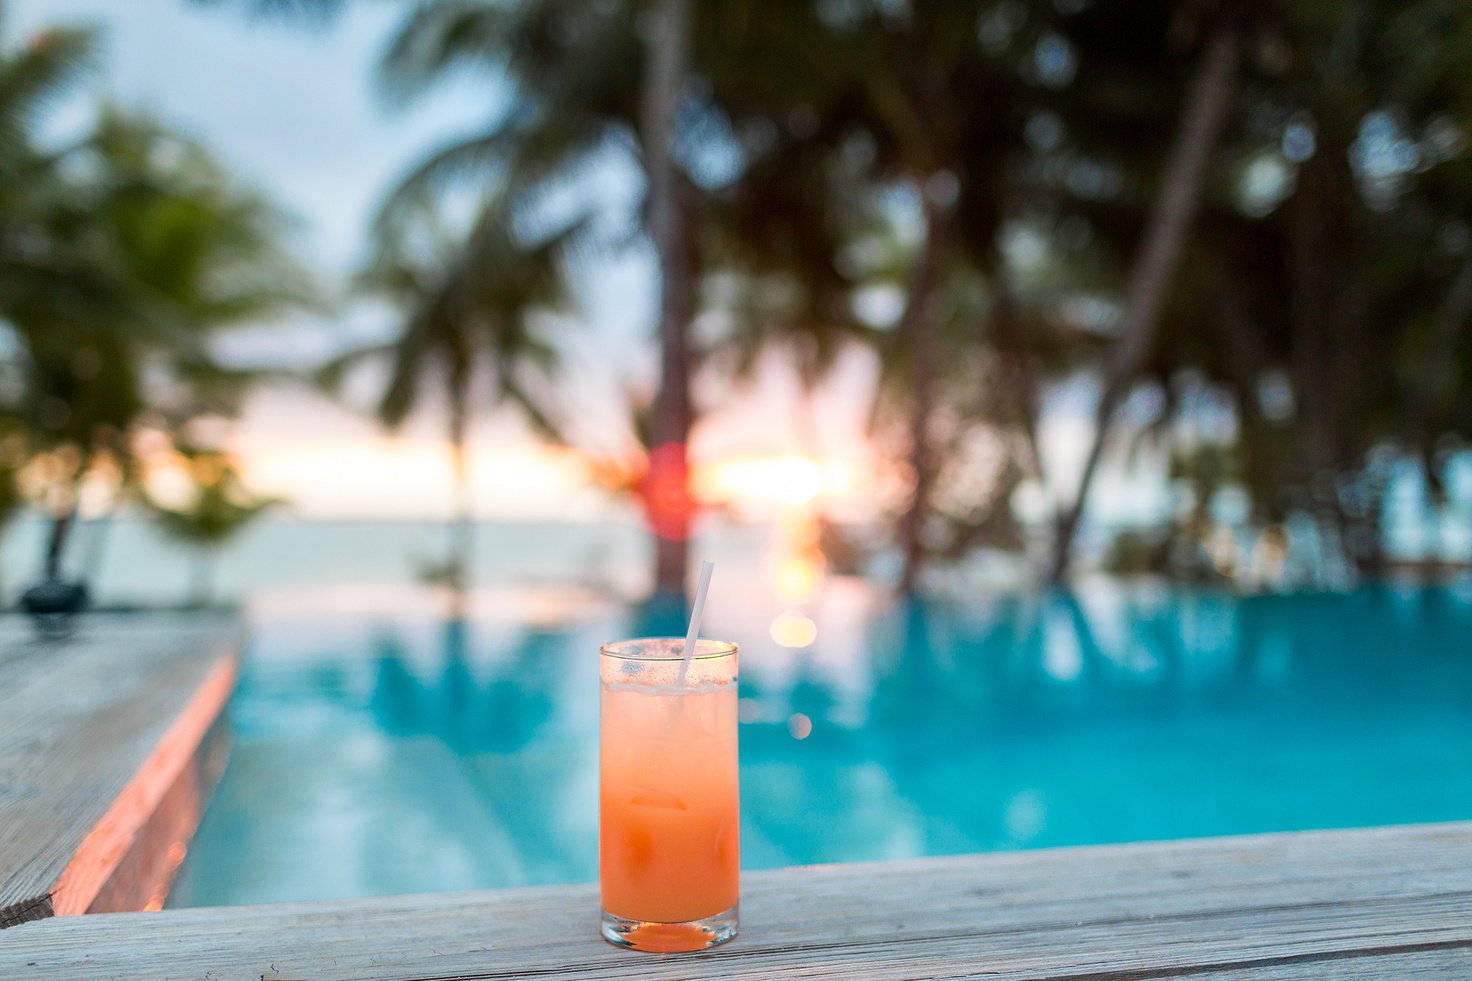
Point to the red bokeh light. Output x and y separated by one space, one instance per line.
665 491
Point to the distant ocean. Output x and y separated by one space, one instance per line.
283 559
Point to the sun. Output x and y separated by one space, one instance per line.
777 482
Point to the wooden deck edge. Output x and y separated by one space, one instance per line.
142 879
1383 902
36 908
134 850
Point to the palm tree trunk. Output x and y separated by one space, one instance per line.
804 410
56 541
917 330
62 523
667 48
1435 380
1329 351
462 527
1012 343
1242 343
1176 203
205 565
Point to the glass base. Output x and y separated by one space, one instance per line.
670 938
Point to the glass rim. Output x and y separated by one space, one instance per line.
725 648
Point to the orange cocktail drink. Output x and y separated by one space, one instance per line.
669 837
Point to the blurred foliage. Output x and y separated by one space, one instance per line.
971 189
474 307
217 505
121 253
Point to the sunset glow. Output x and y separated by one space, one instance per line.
409 477
413 477
786 480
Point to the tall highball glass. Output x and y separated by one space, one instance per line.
669 845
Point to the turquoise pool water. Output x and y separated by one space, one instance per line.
401 751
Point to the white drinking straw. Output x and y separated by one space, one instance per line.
696 610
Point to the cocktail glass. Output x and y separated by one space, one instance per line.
669 838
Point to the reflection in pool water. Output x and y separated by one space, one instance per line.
410 754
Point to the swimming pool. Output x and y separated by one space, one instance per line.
407 752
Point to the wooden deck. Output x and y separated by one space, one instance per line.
110 742
1377 903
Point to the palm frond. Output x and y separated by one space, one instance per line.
316 13
30 79
475 162
330 375
437 39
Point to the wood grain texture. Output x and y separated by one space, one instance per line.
1373 903
104 760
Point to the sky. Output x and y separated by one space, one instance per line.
290 109
293 112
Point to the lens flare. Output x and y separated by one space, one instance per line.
792 629
798 577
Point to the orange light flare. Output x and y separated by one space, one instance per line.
799 575
798 568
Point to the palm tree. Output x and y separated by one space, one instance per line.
221 506
851 111
670 504
40 261
1337 289
1365 249
576 95
164 250
475 314
1203 117
580 96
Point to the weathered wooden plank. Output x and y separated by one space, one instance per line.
1431 965
108 749
1313 904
